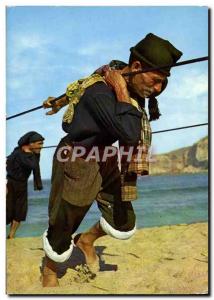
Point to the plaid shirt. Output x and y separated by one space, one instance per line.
139 165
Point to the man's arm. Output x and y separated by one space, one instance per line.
121 119
118 117
28 160
118 83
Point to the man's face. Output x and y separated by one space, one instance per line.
145 84
35 147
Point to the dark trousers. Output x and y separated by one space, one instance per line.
16 201
75 185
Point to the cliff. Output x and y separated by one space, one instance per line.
193 159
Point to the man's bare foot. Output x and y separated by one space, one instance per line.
13 228
49 274
92 259
10 237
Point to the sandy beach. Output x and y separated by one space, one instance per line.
158 260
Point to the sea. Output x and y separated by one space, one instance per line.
162 200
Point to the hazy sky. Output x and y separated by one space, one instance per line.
49 47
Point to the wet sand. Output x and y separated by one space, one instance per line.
159 260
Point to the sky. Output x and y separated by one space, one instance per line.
49 47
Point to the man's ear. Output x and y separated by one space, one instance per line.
136 66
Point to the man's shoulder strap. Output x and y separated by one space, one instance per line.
75 91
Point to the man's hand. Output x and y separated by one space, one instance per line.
55 106
118 83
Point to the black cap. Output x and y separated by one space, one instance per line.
156 52
30 137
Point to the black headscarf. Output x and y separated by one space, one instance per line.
30 137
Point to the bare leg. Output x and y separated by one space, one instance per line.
85 242
13 228
49 273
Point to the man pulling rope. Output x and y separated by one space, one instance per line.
103 108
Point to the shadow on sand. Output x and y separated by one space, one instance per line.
77 258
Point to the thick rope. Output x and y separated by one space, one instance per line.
199 59
185 62
160 131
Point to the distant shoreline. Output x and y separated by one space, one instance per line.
153 175
138 228
180 173
162 200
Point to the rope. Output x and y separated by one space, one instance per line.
199 59
185 62
32 109
178 128
160 131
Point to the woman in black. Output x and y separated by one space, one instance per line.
20 163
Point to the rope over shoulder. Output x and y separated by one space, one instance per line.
185 62
199 59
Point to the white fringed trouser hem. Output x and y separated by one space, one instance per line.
52 254
121 235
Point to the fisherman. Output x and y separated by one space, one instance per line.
104 108
24 159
